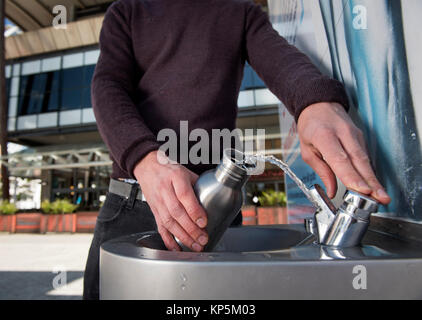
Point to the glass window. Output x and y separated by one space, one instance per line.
70 117
269 186
8 81
24 94
251 80
34 104
71 99
257 81
281 187
86 97
53 81
22 85
22 104
91 57
31 67
13 107
55 90
32 92
72 78
50 64
88 73
39 84
246 99
51 101
73 60
247 82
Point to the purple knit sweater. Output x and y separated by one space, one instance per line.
163 61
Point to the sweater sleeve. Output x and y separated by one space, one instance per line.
287 72
120 124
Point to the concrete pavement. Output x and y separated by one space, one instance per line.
34 266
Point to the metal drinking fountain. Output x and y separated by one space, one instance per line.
343 227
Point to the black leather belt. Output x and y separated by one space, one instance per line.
124 189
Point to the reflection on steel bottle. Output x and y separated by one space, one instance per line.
219 191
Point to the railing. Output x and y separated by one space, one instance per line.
67 159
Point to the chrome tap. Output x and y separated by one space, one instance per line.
343 227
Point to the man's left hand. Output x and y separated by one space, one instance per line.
333 146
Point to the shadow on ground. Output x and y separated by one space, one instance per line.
34 285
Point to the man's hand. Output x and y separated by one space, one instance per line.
333 146
168 190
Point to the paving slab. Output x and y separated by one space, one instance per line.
42 267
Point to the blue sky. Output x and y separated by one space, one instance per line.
8 22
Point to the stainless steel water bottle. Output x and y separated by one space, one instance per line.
219 191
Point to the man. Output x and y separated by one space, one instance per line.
163 61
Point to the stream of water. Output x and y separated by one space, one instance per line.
284 166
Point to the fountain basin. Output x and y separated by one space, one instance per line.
260 263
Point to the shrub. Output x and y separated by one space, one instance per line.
272 198
7 208
58 207
68 207
46 207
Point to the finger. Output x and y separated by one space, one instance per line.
169 223
336 157
178 212
360 159
168 239
187 198
322 169
380 194
362 142
192 176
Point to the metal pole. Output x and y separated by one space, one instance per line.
3 105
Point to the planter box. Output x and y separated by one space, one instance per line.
28 223
249 215
58 223
43 223
272 215
85 221
7 223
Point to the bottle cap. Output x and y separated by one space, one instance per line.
234 165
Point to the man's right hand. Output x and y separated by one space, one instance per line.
169 192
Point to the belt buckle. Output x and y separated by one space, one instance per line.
132 182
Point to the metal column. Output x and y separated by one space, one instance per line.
3 105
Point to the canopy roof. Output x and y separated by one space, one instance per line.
36 14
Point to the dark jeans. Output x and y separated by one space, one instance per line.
118 217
